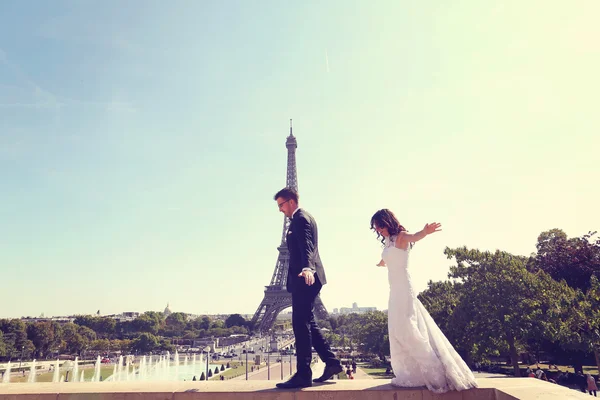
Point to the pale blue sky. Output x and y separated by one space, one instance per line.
141 142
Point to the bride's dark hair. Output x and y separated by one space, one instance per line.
386 219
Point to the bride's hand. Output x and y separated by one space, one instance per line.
432 228
381 264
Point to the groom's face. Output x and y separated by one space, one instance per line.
287 207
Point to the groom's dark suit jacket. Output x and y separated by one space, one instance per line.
303 245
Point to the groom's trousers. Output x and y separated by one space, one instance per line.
306 331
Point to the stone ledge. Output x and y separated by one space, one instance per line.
375 389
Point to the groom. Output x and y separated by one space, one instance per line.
305 278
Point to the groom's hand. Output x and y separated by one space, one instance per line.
309 277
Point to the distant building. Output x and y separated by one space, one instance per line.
167 311
124 316
354 310
202 343
60 320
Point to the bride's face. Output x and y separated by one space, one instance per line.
382 231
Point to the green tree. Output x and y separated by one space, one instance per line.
580 330
242 330
575 260
333 339
124 345
105 326
2 345
205 322
88 334
85 320
193 334
235 320
218 332
372 333
148 322
175 324
333 322
217 323
157 316
165 345
45 336
72 341
125 329
15 337
100 345
145 343
505 298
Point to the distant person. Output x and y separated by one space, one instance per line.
591 384
539 373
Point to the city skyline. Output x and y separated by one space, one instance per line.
247 315
141 146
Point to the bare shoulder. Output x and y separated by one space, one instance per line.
402 241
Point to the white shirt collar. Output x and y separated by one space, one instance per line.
295 211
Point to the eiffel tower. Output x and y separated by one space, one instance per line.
277 298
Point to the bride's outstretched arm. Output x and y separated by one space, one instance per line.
405 237
381 263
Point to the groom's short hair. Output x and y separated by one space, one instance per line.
287 194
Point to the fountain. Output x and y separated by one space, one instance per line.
150 368
119 367
176 362
97 372
6 378
127 365
56 376
31 378
114 370
75 371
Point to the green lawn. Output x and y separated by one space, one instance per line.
236 369
377 373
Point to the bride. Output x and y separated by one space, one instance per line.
421 354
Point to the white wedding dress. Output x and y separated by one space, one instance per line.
421 354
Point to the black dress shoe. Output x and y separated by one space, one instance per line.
295 382
329 372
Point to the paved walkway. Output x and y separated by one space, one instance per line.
360 374
276 373
263 373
